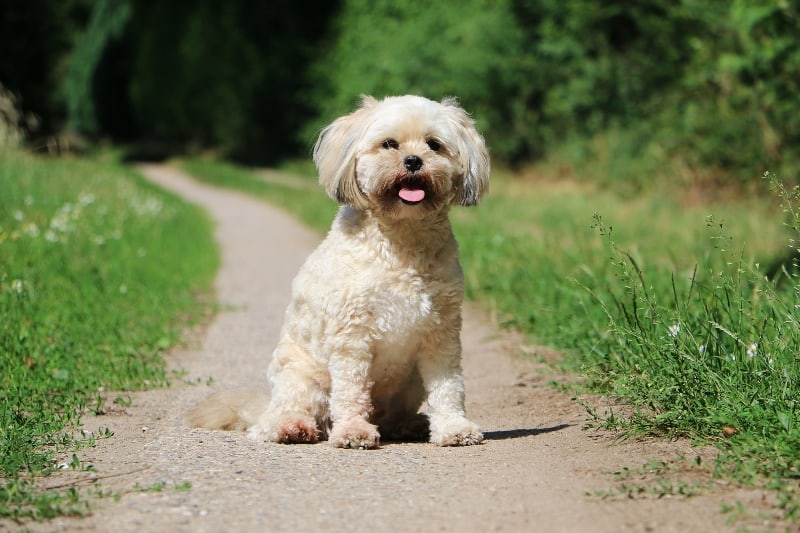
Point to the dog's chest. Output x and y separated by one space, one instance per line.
403 308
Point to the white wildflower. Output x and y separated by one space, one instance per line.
752 350
123 289
64 218
85 199
31 230
701 349
28 200
18 286
146 206
674 330
19 216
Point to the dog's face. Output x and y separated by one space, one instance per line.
403 157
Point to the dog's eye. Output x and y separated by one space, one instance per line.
391 144
434 145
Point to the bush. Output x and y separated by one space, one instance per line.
682 86
470 49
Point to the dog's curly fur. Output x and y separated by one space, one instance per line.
373 326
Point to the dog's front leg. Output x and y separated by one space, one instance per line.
440 367
350 401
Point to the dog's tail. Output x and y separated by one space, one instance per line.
235 410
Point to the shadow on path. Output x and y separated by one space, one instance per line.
518 433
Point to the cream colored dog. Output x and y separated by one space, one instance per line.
373 326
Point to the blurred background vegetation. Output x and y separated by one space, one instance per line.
695 90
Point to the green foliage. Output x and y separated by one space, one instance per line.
698 354
740 88
711 356
468 49
650 89
529 250
211 80
96 268
596 65
532 72
107 23
225 75
35 38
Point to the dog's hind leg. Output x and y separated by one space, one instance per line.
297 410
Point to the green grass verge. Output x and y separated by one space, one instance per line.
659 303
99 273
663 305
297 193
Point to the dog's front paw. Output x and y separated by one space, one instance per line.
355 433
291 429
455 431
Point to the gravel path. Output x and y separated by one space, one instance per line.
534 472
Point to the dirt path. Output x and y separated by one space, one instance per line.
532 474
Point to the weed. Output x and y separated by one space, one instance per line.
710 356
160 486
123 401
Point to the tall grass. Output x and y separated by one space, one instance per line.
663 306
712 356
99 272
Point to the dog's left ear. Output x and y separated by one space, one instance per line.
335 155
473 153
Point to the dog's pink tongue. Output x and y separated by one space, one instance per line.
412 195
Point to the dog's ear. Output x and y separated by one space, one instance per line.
473 153
335 155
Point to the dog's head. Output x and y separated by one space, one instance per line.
403 156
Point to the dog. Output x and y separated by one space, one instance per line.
372 331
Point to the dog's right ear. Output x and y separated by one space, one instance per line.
335 155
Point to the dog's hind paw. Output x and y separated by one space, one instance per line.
288 430
457 432
355 433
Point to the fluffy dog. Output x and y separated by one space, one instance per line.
373 327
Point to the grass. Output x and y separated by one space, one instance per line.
661 303
99 273
297 193
664 306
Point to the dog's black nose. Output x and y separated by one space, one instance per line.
412 163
